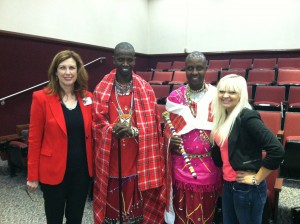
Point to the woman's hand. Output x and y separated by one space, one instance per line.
32 185
245 177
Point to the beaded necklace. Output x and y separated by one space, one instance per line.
190 103
125 118
123 89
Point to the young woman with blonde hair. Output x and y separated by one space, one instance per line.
239 137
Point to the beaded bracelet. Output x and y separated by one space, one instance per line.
134 131
166 115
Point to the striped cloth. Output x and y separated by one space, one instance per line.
150 162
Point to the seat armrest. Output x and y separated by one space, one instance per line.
280 135
295 139
277 189
278 184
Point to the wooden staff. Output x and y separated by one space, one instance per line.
120 180
166 115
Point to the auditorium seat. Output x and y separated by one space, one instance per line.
291 127
290 167
179 77
294 99
161 93
178 66
269 98
212 76
218 64
274 186
241 72
250 94
273 120
261 77
160 78
163 66
264 63
291 63
145 75
288 77
176 87
17 150
240 64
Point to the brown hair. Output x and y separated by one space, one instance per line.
81 84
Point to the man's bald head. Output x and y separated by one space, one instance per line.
196 55
124 47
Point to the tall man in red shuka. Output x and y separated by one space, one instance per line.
125 109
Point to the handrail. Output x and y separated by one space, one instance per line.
2 100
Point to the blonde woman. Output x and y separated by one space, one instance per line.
239 137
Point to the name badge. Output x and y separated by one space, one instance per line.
87 101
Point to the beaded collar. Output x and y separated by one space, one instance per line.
123 89
193 96
196 91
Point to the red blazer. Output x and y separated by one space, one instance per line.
47 150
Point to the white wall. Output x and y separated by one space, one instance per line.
160 26
223 25
98 22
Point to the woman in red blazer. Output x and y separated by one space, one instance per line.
60 140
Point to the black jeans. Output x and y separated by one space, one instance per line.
67 198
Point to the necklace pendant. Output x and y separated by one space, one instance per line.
125 119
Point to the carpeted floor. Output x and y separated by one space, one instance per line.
16 207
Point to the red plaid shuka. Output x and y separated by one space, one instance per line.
150 162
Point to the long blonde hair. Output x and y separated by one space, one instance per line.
222 123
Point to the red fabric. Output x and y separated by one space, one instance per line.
129 146
177 121
228 172
153 207
132 199
150 166
210 114
47 142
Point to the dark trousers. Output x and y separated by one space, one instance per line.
243 203
68 197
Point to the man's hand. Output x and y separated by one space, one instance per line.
175 142
120 130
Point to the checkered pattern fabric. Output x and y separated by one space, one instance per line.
150 162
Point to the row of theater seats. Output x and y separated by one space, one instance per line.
281 98
253 77
264 97
255 63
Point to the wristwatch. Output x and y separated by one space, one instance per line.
254 181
